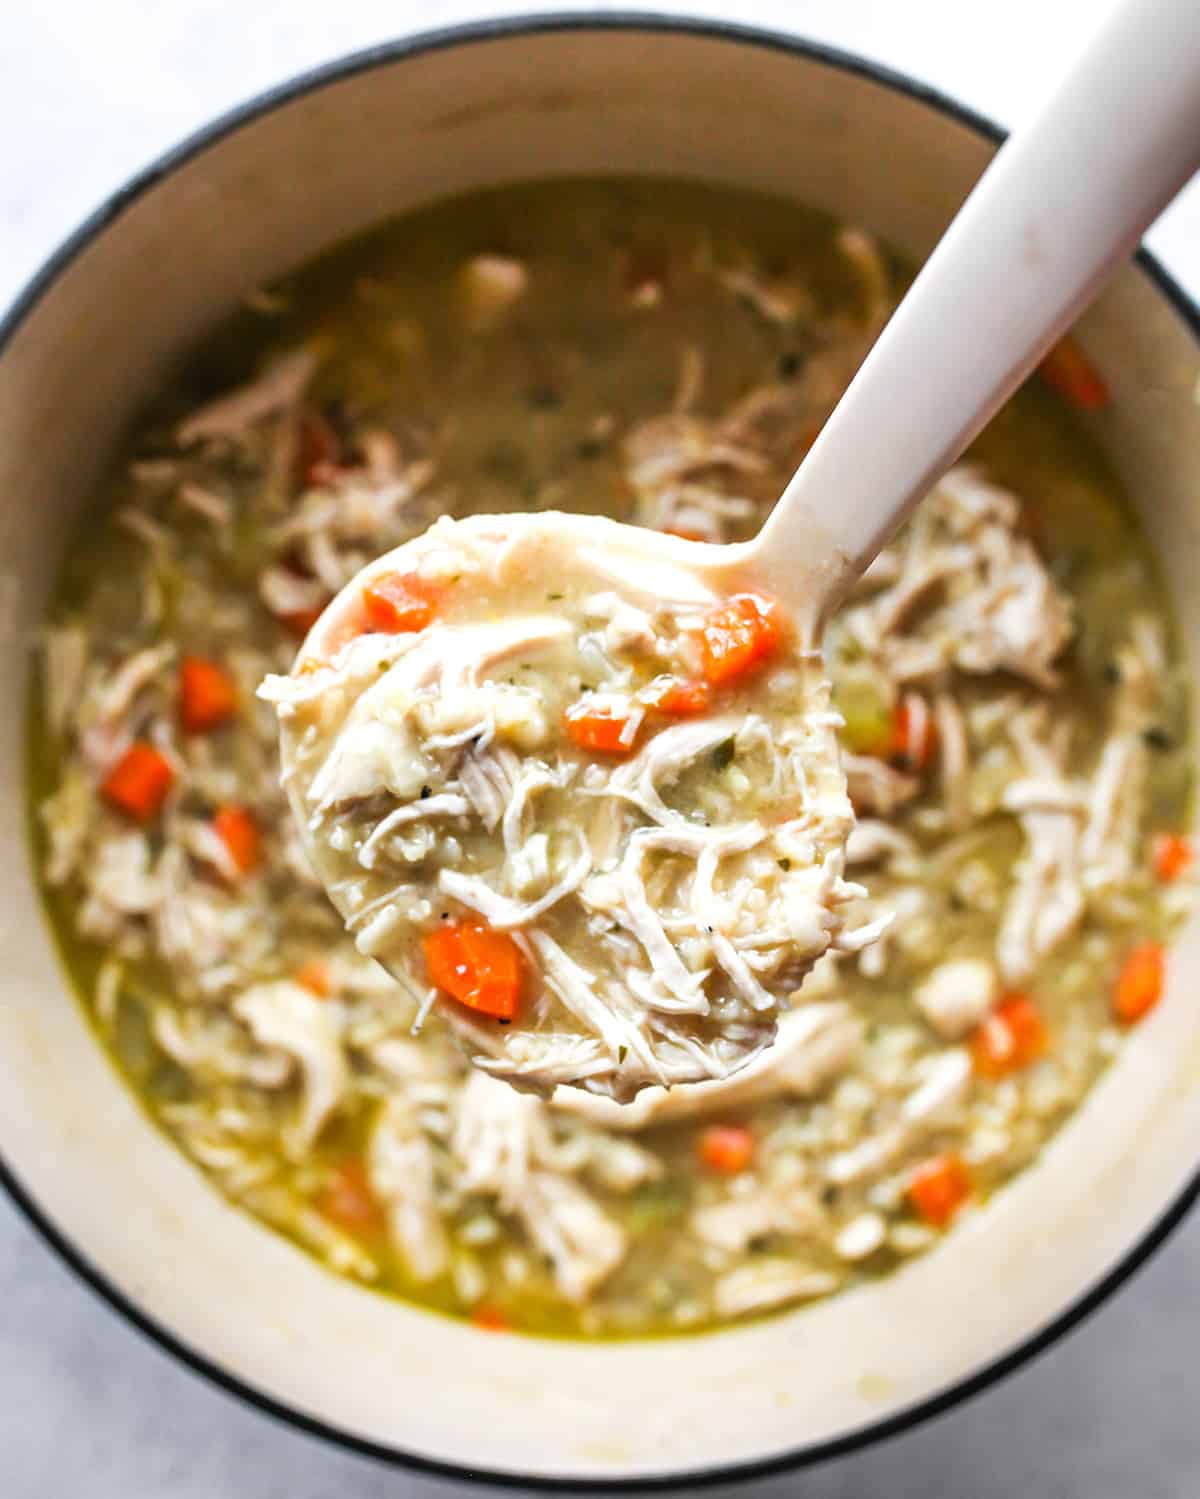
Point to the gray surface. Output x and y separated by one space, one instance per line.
91 1410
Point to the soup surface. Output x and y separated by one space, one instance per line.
1016 716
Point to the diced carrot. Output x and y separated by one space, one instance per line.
480 968
318 449
490 1319
208 695
239 832
398 603
604 730
683 699
1068 370
914 736
139 782
300 621
739 638
1011 1037
1171 856
1139 984
313 975
938 1188
727 1148
348 1201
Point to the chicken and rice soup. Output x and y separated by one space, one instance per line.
1015 744
499 744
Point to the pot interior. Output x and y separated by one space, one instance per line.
255 199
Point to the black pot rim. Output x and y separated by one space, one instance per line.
27 300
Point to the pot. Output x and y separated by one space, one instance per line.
267 187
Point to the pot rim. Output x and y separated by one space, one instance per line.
27 299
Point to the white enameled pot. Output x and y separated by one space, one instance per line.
250 197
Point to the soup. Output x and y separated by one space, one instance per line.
1016 718
499 746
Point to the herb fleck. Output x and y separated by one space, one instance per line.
784 864
426 793
723 755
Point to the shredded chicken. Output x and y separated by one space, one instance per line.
287 1017
659 956
400 1164
957 995
502 1140
814 1045
279 387
1015 714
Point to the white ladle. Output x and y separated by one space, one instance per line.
1062 205
1064 202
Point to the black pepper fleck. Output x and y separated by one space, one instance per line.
426 793
1158 738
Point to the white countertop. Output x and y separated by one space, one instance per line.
94 89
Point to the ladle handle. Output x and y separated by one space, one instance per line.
1064 201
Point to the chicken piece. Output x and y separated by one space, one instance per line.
582 1243
872 841
121 876
209 935
767 1283
106 713
502 1142
212 1046
279 387
489 285
861 1237
815 1044
779 1208
965 590
400 1168
1047 900
287 1017
957 995
941 1089
874 786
